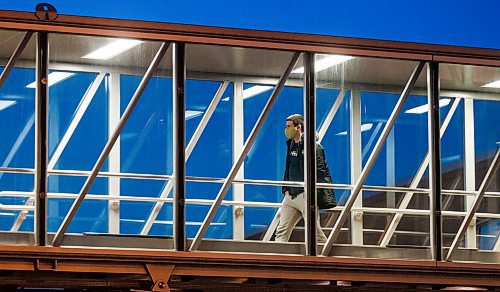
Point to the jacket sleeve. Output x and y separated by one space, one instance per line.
322 170
285 177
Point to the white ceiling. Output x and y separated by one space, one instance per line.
235 61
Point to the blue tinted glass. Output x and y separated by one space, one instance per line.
17 105
146 147
81 151
211 157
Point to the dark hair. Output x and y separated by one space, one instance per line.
297 119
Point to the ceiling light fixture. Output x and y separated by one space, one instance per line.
256 90
494 84
326 63
425 108
364 128
54 78
192 114
110 50
6 103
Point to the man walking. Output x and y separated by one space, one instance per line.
294 204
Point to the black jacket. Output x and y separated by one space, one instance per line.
326 198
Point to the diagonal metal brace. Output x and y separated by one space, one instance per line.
13 59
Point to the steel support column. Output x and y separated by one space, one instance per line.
238 142
310 154
356 157
41 129
470 167
109 145
179 180
435 228
114 156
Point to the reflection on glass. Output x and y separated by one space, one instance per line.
17 134
469 151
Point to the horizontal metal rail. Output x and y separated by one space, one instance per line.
16 207
416 212
276 183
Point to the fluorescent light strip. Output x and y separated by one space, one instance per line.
255 90
53 78
6 103
494 84
364 128
424 108
110 50
192 114
326 63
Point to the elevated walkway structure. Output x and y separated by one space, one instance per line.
155 160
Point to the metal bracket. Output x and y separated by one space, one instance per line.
358 216
45 265
160 274
115 204
45 11
239 210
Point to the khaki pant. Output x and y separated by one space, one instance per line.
291 213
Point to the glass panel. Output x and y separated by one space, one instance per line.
380 216
470 148
253 74
99 76
17 160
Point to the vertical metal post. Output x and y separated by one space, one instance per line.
391 169
310 154
114 155
434 161
238 142
356 165
470 167
41 156
179 80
